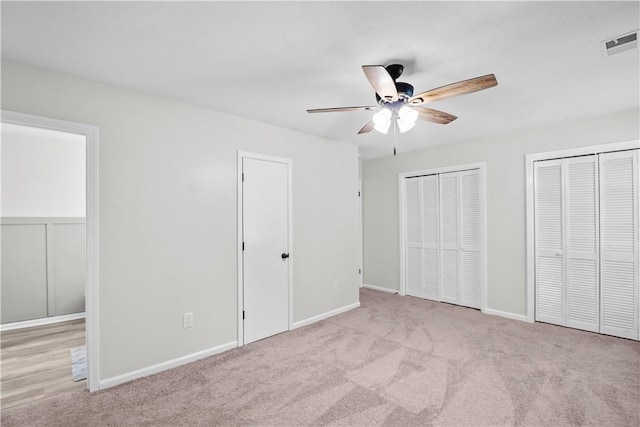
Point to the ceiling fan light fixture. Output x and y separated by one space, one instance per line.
404 126
408 114
382 120
407 117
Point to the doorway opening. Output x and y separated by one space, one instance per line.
49 257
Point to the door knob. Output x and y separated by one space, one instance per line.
285 256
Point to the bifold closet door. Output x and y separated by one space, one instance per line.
449 238
470 220
549 230
422 237
443 214
582 253
413 224
460 227
430 238
619 243
566 233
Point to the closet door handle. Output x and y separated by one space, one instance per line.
284 256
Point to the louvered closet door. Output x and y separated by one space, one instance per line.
581 214
430 238
470 238
619 243
449 243
413 223
549 220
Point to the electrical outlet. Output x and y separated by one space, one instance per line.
336 286
187 320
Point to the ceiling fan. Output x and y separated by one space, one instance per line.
397 101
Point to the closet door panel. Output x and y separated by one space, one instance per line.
414 272
449 240
471 271
430 238
470 238
582 284
414 237
619 243
549 220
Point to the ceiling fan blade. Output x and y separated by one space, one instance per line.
338 109
453 89
366 128
434 116
381 81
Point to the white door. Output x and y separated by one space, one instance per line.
430 238
265 227
549 242
586 242
413 232
582 292
443 216
449 238
470 223
620 253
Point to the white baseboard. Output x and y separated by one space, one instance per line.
513 316
163 366
40 322
380 288
323 316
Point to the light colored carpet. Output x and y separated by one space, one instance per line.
396 361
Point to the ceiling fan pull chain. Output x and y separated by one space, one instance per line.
395 123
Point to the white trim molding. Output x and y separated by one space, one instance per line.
380 289
326 315
549 155
163 366
40 322
92 232
506 314
246 155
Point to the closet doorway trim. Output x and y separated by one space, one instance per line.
402 230
549 155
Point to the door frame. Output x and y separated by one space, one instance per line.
92 279
530 197
483 223
256 156
361 233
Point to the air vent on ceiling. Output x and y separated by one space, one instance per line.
620 44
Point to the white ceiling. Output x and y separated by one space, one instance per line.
270 61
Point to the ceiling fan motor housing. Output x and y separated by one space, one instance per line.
395 70
405 91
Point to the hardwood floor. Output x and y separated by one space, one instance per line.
36 362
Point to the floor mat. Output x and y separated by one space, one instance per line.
79 363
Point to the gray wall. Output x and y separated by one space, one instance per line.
43 267
167 216
505 204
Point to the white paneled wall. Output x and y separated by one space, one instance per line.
443 237
586 242
43 267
